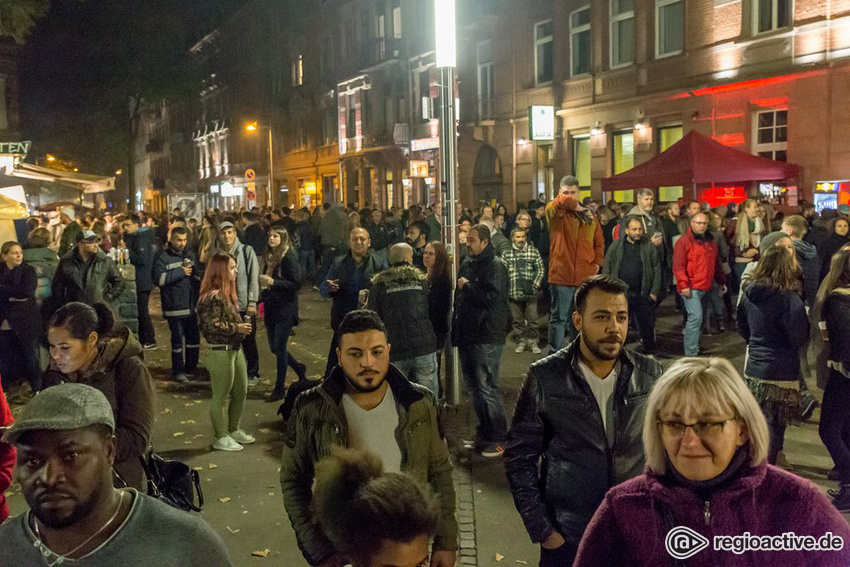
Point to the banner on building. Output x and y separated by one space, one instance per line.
191 205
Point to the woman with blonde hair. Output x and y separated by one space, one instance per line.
224 330
706 443
280 282
743 236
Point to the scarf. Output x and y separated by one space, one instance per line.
705 488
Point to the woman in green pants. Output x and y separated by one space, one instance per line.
222 327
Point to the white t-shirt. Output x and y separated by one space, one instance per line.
603 390
374 430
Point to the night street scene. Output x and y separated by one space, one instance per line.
424 283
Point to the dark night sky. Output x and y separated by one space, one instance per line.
77 62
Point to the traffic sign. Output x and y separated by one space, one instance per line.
250 174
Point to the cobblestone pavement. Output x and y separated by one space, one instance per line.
242 490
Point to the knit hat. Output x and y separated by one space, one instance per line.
770 240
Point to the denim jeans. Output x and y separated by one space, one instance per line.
184 328
480 367
278 334
694 308
421 370
307 259
560 315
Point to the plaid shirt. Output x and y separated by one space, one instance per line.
525 268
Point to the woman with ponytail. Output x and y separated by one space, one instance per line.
743 236
371 517
87 347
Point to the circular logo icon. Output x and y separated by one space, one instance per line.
683 542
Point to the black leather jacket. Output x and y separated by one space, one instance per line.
557 422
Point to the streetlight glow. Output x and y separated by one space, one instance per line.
119 171
446 36
51 158
252 127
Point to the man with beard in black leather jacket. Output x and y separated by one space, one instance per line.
579 416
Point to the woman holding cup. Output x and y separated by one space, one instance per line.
224 330
280 282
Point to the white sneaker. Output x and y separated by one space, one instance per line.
534 348
520 347
227 444
241 437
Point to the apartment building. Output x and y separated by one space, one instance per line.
626 79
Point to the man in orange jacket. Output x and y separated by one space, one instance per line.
576 252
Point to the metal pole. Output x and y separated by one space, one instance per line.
448 162
271 198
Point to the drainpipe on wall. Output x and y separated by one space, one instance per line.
513 119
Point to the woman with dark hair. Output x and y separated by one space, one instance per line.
838 237
224 330
373 518
20 320
280 281
773 321
86 347
832 313
436 260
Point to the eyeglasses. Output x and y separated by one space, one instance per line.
705 430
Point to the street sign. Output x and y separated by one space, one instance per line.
250 174
251 192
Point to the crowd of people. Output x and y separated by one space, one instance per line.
600 432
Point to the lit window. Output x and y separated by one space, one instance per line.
543 43
622 33
486 82
770 134
580 42
669 27
581 161
772 15
397 22
624 151
667 136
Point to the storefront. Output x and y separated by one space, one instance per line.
831 194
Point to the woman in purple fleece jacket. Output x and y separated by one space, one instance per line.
706 444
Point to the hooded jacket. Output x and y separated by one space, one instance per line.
696 263
836 313
557 422
399 296
141 246
119 372
7 458
807 256
248 275
775 325
177 291
629 530
576 247
318 422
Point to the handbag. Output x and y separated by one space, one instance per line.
173 482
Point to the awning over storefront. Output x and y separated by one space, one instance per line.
699 160
88 183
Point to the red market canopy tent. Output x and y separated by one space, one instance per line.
699 160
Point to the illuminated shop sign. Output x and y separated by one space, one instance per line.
541 123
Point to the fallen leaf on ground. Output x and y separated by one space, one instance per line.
263 553
224 500
197 436
178 433
521 562
499 557
199 468
231 530
190 404
213 466
166 410
264 430
191 421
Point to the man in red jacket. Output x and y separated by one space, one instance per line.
7 457
576 252
696 265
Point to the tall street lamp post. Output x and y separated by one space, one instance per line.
446 54
253 127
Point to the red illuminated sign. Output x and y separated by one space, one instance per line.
716 196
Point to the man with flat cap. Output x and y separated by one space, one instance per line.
66 446
86 274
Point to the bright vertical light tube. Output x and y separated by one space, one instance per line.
446 33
